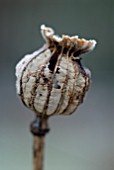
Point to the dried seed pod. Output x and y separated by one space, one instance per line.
52 81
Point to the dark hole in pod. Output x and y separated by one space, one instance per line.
71 51
35 86
78 61
55 43
65 50
45 80
57 71
81 51
77 53
37 80
51 48
56 85
54 58
78 97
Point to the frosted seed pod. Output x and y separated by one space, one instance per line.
52 81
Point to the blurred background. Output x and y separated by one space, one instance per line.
85 140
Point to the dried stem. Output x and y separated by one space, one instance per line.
39 128
38 151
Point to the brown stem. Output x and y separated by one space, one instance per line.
38 151
39 128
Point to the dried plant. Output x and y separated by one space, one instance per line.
52 81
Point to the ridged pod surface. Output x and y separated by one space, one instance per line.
52 81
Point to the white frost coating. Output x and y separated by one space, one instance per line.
36 64
65 101
80 81
63 71
27 90
32 69
92 46
69 87
19 68
42 92
53 101
22 64
78 90
40 99
57 38
71 107
46 32
47 73
88 72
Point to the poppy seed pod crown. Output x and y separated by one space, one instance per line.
52 81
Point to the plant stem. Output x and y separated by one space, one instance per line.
38 153
39 129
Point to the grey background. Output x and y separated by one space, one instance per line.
85 140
